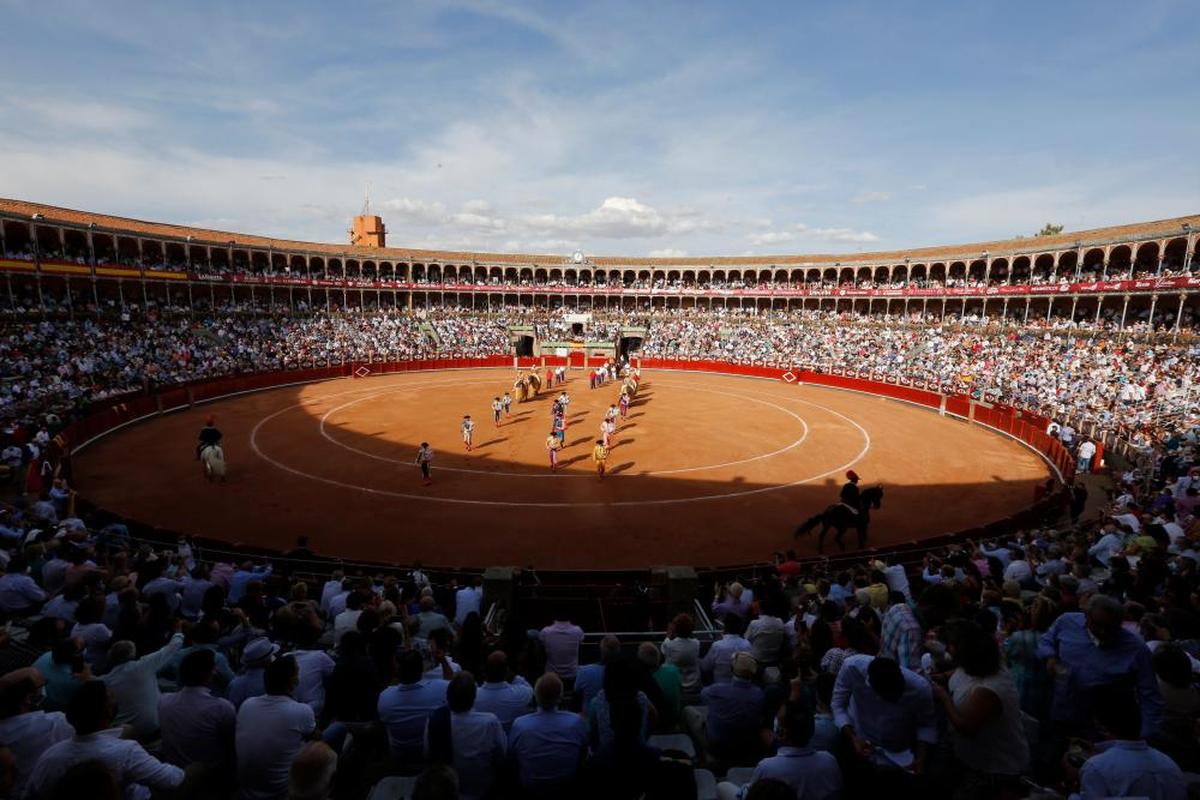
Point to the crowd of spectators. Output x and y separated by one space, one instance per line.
1063 657
1138 386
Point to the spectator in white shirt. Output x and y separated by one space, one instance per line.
468 599
315 667
682 649
24 730
348 619
91 713
331 589
473 741
271 730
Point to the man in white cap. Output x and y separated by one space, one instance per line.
257 654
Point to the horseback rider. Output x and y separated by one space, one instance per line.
850 497
209 435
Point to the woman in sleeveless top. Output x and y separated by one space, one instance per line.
984 710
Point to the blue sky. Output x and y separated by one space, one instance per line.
686 128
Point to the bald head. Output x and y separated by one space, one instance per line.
610 648
548 690
311 776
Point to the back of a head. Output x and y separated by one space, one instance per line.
412 667
1172 666
548 690
621 677
196 667
279 674
65 651
798 723
88 709
885 678
1116 710
734 625
647 653
495 669
312 771
770 789
438 782
610 648
90 779
460 694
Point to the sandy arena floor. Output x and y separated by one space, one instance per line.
707 470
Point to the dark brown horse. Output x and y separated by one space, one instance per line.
840 518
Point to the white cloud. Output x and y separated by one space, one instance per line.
805 233
614 218
667 252
871 197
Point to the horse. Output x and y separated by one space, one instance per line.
213 458
519 390
838 517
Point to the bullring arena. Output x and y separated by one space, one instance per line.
719 467
826 362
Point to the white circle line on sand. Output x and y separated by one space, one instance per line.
556 475
516 504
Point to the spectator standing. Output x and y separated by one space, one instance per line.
134 684
561 641
271 730
1087 651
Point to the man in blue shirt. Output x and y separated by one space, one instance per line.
886 713
811 774
404 710
507 700
729 723
1087 651
718 661
589 680
1125 766
548 746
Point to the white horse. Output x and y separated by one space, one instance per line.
213 458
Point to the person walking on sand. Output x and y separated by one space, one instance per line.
600 455
424 457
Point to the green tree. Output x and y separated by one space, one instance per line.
1050 229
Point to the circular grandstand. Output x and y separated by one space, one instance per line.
935 371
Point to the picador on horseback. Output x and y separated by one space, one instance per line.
210 452
209 435
850 495
853 510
